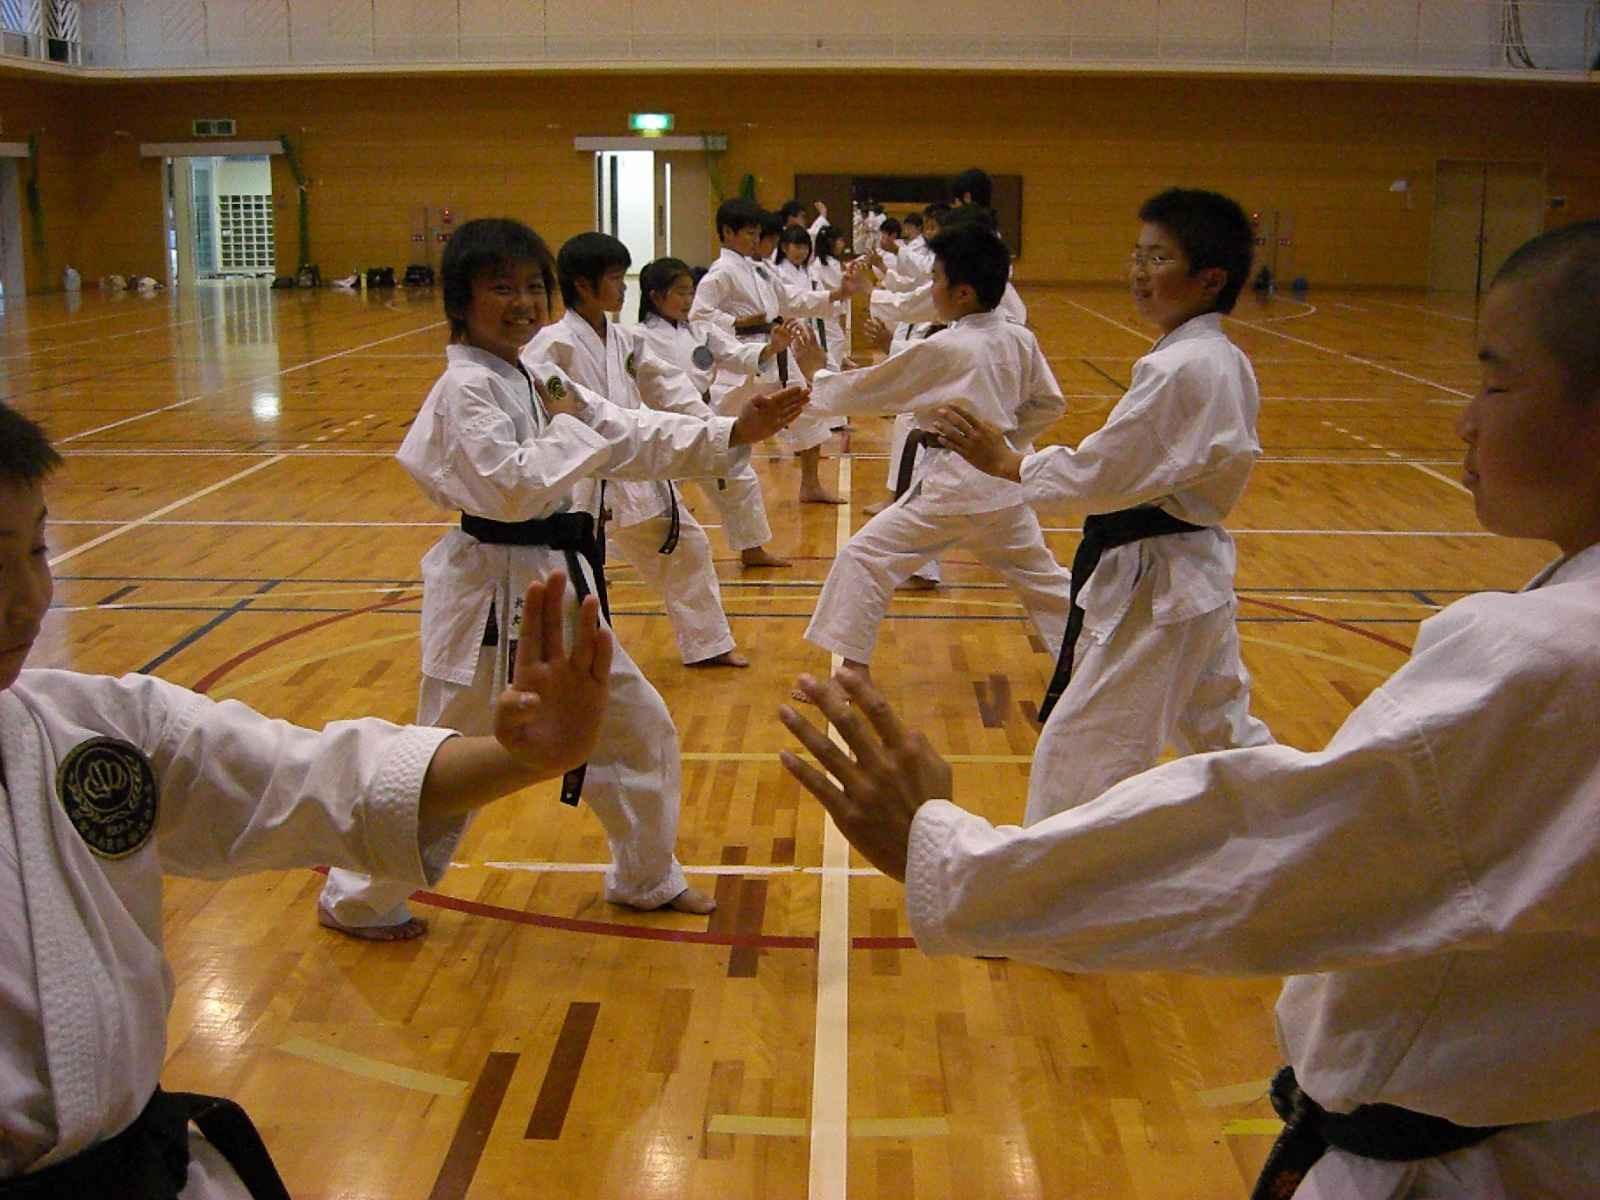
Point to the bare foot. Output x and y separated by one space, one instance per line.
818 495
760 556
728 658
877 507
919 583
415 927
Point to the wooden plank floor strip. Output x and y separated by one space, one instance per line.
472 1131
561 1078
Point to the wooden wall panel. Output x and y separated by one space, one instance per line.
1089 149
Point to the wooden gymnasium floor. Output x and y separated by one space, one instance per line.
230 518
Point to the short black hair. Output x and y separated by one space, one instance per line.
1566 263
971 214
791 208
891 226
487 244
588 256
657 276
936 212
977 183
971 254
914 219
792 235
823 246
770 223
26 455
1213 231
737 214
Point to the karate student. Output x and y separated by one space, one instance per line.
508 452
647 526
791 262
1428 880
1158 661
666 292
739 299
828 273
916 305
998 367
793 213
105 784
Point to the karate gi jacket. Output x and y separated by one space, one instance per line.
160 779
917 305
735 287
1430 883
1183 437
482 444
992 365
623 369
676 343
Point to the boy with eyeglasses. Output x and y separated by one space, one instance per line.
1151 653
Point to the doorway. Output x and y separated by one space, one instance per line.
1482 211
13 282
656 203
219 218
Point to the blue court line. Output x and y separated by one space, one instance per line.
194 635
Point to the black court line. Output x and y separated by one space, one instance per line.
1107 376
196 634
113 597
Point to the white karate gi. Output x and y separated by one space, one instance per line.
828 277
900 434
624 370
910 268
84 986
996 368
737 498
735 287
1158 660
1430 881
483 445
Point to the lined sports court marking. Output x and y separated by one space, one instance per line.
373 1068
830 1092
1355 358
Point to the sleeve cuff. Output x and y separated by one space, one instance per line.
401 846
932 830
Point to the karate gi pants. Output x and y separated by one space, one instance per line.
741 506
888 549
686 580
1146 686
632 785
903 425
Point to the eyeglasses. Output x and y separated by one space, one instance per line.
1153 262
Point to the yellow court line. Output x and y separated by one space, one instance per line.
284 668
1352 663
1236 1093
1355 603
1258 1126
757 1126
372 1068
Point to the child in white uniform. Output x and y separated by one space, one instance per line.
646 527
1427 880
666 293
990 362
1159 661
106 784
508 453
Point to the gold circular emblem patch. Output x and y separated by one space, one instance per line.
108 789
630 366
556 388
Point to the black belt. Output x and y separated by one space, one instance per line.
915 441
149 1160
1381 1131
574 534
1102 532
670 542
764 329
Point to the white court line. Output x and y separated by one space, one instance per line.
92 543
109 337
830 1067
1432 312
28 329
321 452
1324 532
571 868
1355 462
270 524
1310 308
1138 333
1355 358
1455 483
247 382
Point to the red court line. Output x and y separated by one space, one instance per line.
1311 616
216 673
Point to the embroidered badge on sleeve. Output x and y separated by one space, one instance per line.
108 789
